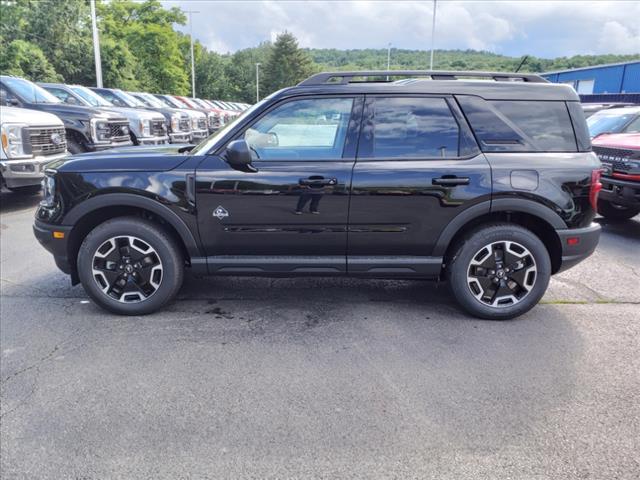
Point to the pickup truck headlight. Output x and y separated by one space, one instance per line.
13 142
48 191
175 122
194 123
145 128
100 131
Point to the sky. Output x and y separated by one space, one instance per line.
545 29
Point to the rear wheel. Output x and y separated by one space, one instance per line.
613 211
130 266
499 271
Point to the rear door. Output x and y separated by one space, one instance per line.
293 204
417 168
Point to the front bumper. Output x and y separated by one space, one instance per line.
197 135
620 192
24 173
44 233
153 140
577 244
180 137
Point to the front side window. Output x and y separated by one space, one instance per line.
411 127
309 129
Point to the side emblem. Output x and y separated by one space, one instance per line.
220 213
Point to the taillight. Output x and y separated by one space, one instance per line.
596 186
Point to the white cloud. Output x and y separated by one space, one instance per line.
541 28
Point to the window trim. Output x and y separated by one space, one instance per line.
465 132
349 149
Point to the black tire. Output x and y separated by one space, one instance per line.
73 147
166 251
28 190
612 211
474 247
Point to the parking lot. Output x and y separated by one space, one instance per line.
332 378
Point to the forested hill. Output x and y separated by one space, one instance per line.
451 60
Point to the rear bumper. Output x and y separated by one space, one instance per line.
56 246
620 192
578 244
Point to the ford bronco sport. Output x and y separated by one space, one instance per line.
488 184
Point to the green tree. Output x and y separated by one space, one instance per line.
240 71
24 59
287 65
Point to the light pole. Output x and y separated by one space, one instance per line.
388 58
193 64
257 82
433 34
96 45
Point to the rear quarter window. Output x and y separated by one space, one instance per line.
520 125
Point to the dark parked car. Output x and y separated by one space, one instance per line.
87 129
491 185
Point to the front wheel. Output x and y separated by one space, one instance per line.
613 211
499 271
130 266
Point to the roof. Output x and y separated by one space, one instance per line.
604 65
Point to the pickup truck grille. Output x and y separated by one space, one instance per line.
185 125
158 128
116 131
47 140
202 123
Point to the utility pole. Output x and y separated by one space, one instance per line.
433 34
96 45
257 82
388 58
193 64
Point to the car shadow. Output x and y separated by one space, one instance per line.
14 201
627 228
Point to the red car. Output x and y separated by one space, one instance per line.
619 153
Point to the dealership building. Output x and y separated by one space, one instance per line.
613 78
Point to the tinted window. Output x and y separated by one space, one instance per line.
411 127
520 126
311 129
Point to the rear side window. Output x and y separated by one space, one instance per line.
410 127
520 126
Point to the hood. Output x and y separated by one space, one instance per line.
78 111
618 140
154 158
30 117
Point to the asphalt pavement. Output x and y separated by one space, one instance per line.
318 378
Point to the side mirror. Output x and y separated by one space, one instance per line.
238 155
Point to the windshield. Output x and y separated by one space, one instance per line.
129 99
172 102
29 92
151 100
208 143
607 123
93 98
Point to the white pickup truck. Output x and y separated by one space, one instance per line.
30 140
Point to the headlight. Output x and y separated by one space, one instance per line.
212 120
48 191
194 123
145 128
175 122
100 130
12 141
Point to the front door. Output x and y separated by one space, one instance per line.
290 214
418 167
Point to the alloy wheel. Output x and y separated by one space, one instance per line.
127 269
501 274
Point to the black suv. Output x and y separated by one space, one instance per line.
490 185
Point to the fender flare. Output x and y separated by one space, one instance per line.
131 200
531 207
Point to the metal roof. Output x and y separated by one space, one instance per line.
604 65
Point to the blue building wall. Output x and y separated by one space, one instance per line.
616 78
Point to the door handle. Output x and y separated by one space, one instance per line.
450 181
318 181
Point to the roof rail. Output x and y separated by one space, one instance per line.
344 78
